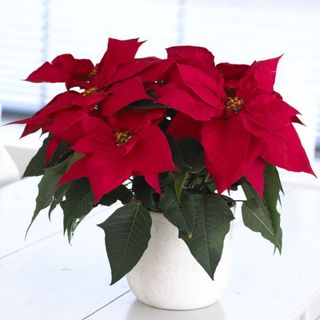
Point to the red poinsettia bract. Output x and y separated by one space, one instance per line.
129 143
256 128
232 110
251 124
192 85
114 83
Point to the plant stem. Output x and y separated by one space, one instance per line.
207 178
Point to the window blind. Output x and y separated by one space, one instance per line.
38 30
21 50
241 31
235 31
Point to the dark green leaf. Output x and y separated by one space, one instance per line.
79 202
180 213
61 153
143 192
166 178
272 188
76 156
127 233
121 193
256 216
47 187
146 104
213 217
211 185
37 164
58 196
192 154
179 182
176 154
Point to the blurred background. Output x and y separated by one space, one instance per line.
235 31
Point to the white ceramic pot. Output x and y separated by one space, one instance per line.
168 276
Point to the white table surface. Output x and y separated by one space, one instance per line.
45 278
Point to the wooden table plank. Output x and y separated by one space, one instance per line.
262 285
17 203
45 277
128 308
52 280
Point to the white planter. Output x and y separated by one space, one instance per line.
167 275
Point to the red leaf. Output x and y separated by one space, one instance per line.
150 69
51 148
255 175
208 87
151 153
64 68
47 73
122 94
182 126
261 75
191 52
106 173
153 180
77 171
135 120
229 150
189 104
232 73
284 149
265 114
89 101
118 52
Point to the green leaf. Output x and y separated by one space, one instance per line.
127 233
192 154
180 213
61 153
146 104
143 192
121 193
256 216
58 197
79 202
272 188
211 185
213 217
47 187
179 182
37 164
176 154
76 156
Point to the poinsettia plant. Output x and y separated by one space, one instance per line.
166 135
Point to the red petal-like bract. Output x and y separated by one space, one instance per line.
182 126
191 52
153 180
109 164
284 149
122 94
241 142
186 102
126 105
51 148
262 74
229 150
232 73
64 68
119 52
255 175
192 85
